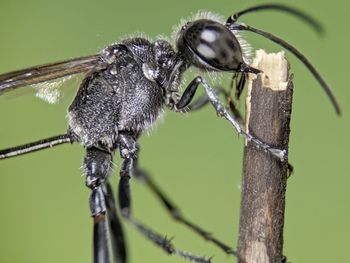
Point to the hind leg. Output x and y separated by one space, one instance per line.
97 168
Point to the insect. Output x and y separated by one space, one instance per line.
124 91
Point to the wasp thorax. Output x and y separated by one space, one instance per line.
209 45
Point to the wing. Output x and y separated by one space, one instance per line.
37 74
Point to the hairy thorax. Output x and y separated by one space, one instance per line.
122 97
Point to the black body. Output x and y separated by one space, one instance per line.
126 88
119 98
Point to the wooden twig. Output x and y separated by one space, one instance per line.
269 105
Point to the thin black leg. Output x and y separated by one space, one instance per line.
97 167
176 213
100 240
165 243
201 101
188 95
204 100
240 83
35 146
115 227
240 79
128 151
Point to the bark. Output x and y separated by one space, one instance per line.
269 105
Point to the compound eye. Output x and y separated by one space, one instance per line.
213 44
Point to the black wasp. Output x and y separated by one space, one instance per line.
125 89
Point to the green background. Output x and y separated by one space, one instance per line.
197 158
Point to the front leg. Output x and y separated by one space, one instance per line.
188 95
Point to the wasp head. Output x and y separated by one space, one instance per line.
210 45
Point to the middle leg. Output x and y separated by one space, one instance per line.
176 213
128 151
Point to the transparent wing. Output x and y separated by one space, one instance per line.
39 74
51 90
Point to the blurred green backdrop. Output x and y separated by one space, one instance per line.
197 158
